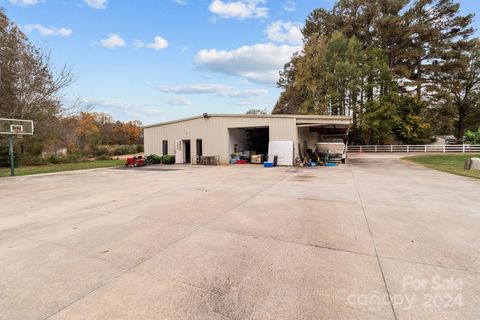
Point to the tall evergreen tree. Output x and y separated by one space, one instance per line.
365 53
458 90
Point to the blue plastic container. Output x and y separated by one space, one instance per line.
330 164
267 164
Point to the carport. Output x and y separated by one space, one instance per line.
312 131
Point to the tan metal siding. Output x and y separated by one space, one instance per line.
214 133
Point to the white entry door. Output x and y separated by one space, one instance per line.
179 158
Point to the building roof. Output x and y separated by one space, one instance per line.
303 118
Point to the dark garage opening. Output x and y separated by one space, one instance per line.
249 141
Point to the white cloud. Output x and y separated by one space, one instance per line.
112 41
247 93
290 6
240 9
182 2
212 88
52 31
97 4
24 3
199 88
257 63
180 101
285 32
117 107
158 43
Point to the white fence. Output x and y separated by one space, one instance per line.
459 148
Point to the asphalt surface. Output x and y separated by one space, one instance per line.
378 238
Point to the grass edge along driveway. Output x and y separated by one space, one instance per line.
51 168
451 163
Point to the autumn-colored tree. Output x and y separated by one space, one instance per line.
87 131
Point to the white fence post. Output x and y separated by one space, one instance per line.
360 148
408 148
375 148
391 148
463 150
425 148
444 148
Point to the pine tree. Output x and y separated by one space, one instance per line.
458 89
366 53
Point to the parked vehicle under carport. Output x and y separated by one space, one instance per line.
332 149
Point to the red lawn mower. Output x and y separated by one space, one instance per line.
137 161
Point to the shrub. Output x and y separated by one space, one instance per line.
103 151
125 149
74 157
472 137
120 150
5 157
154 159
140 148
168 159
34 161
103 157
55 159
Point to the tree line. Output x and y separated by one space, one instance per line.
404 70
30 88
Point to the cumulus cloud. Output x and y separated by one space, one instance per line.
158 43
24 3
180 101
51 31
113 40
240 9
285 32
257 63
212 88
97 4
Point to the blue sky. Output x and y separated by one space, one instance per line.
157 60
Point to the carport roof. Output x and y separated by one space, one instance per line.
301 119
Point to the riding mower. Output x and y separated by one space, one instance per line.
136 161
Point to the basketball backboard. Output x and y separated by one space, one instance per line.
16 127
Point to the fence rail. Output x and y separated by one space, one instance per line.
453 148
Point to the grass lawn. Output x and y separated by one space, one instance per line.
452 163
24 171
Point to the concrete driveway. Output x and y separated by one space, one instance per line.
376 239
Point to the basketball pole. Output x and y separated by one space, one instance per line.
10 153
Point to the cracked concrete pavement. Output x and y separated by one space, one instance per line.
378 238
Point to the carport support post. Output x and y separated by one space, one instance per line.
10 153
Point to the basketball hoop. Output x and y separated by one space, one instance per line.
14 128
17 130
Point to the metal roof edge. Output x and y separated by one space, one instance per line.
292 116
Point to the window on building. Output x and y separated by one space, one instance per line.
165 147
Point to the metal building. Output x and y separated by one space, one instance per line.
224 134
